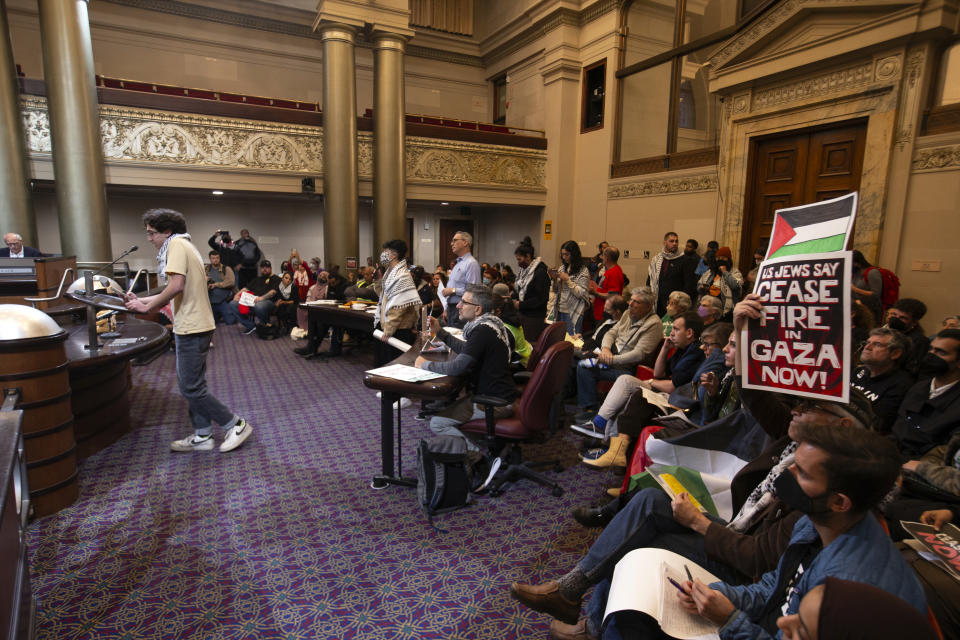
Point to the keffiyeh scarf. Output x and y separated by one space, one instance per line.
162 254
761 497
525 277
494 323
398 290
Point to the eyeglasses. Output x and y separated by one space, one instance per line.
462 301
151 233
875 344
704 343
809 405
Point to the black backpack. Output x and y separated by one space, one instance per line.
443 477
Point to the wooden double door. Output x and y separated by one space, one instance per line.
797 168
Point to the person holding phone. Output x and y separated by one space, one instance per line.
570 291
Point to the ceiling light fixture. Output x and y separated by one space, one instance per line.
217 192
444 203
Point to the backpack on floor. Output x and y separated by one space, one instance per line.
443 478
268 331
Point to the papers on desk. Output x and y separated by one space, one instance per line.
318 303
404 373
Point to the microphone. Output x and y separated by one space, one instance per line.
120 257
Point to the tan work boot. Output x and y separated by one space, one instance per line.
613 492
616 455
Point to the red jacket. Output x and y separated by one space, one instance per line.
612 281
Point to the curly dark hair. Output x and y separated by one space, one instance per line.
397 246
165 220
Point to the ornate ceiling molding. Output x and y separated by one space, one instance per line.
940 158
163 138
664 186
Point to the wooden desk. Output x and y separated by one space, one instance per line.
334 316
100 381
390 392
42 282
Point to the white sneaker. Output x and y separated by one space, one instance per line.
236 436
193 443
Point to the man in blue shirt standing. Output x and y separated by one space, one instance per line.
466 271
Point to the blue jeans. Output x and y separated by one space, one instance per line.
262 312
191 378
573 327
587 378
645 521
223 312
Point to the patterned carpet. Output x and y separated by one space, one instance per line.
283 538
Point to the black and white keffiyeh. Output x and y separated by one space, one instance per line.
398 290
494 323
525 277
162 254
761 497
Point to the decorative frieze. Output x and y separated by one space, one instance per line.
811 88
943 158
664 186
188 140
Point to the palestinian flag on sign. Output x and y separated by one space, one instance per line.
818 227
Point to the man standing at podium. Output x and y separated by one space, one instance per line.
15 248
179 265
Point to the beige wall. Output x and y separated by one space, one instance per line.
930 233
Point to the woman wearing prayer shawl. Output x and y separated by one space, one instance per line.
533 290
399 309
844 610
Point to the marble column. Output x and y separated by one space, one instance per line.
389 128
16 207
75 130
341 233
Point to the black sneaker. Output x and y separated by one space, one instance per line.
588 429
591 516
584 416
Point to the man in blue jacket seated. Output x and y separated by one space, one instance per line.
837 477
483 358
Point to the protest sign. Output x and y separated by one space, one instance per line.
801 345
943 544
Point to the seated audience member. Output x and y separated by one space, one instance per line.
483 359
532 289
611 281
315 265
630 342
316 291
422 282
722 281
613 310
399 308
264 287
504 309
720 394
847 610
713 369
363 288
507 276
950 322
905 316
678 361
710 309
436 307
332 287
16 249
929 491
220 283
677 302
287 301
930 413
880 375
570 291
834 472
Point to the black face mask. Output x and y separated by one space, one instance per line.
897 323
933 365
792 495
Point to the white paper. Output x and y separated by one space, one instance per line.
247 299
639 584
657 399
443 298
405 373
393 342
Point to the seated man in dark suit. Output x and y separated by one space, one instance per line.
15 248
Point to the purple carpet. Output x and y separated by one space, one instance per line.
283 538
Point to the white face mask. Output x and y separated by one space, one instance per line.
384 258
